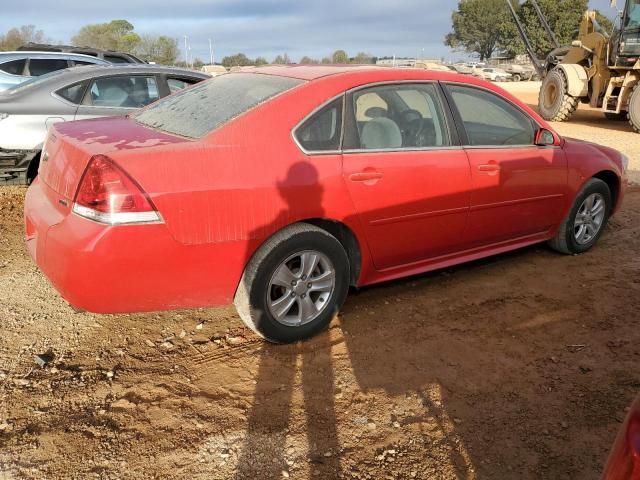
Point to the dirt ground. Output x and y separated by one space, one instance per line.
519 366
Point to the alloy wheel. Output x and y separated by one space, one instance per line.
300 288
589 219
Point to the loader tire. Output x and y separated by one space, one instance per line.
633 113
554 102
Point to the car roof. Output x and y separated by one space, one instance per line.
68 76
384 73
18 55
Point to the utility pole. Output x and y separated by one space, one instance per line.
186 52
211 51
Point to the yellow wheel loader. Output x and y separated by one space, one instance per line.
598 69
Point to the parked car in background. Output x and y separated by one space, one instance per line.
495 74
281 186
108 55
214 70
463 69
27 110
521 72
18 67
624 459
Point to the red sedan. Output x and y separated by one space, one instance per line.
280 187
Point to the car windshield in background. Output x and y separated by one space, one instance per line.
34 81
196 111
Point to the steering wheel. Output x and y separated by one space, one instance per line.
411 127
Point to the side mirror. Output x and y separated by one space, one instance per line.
544 138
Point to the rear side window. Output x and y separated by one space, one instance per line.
114 59
196 111
490 120
40 66
14 67
177 84
123 91
322 131
83 62
73 93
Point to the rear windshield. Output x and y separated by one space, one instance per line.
198 110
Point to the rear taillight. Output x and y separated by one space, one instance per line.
106 194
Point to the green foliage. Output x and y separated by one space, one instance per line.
161 50
326 60
237 60
340 56
115 35
362 58
282 60
478 26
308 61
564 19
16 37
259 61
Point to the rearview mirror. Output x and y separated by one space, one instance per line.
545 138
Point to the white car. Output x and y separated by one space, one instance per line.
495 74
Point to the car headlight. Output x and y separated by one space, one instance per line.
625 162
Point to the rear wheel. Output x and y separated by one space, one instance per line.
516 77
634 108
555 103
586 220
294 284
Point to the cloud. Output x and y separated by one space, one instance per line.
261 27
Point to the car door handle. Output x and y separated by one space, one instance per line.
491 167
365 176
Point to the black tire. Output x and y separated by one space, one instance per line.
554 103
565 241
616 117
634 109
516 77
251 296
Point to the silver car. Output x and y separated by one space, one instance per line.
17 67
27 110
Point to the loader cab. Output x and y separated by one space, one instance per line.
629 34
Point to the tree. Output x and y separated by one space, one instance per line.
197 63
362 58
17 37
282 60
115 35
478 26
308 61
237 60
340 56
260 61
162 50
564 17
326 60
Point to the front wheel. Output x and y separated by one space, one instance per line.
586 220
294 284
554 103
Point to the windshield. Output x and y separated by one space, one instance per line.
196 111
632 19
34 81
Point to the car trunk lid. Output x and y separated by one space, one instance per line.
70 146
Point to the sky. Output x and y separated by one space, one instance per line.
405 28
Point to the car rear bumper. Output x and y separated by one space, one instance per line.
129 268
